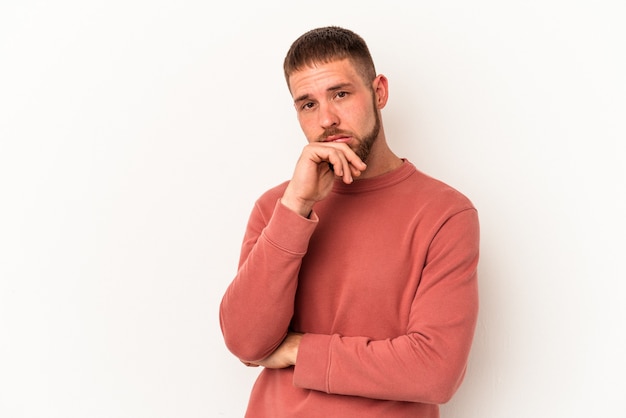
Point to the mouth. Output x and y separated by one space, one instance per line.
337 138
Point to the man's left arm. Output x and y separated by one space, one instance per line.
428 363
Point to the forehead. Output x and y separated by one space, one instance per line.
322 76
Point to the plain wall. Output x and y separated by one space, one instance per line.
136 135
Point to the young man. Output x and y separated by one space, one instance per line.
356 288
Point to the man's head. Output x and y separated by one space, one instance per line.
337 94
327 44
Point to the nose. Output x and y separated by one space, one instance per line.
327 116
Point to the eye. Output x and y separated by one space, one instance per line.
341 94
308 106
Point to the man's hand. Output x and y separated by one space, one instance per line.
284 356
315 172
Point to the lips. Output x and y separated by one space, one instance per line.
337 138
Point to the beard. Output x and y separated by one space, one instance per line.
366 143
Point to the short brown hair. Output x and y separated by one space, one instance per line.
327 44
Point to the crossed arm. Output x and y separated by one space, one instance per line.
284 356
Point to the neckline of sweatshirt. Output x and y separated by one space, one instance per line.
375 183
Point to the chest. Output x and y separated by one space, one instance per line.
361 272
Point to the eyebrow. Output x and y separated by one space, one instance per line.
330 89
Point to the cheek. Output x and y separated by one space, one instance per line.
369 116
359 114
307 128
362 120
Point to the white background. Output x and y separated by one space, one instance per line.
136 135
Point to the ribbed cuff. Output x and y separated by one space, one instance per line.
288 230
312 370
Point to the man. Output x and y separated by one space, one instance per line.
356 288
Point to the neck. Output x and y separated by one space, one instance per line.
381 159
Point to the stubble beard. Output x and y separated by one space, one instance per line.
366 143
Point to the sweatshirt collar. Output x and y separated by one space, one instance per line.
378 182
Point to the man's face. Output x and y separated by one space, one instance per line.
335 104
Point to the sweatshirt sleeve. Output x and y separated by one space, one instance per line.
427 364
257 306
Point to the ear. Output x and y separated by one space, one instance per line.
380 86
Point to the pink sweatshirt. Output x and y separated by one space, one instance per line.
382 281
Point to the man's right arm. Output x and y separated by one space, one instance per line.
257 307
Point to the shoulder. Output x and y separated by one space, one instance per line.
436 193
266 202
273 193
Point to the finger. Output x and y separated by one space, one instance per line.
357 166
355 171
351 156
341 166
342 161
353 161
352 167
